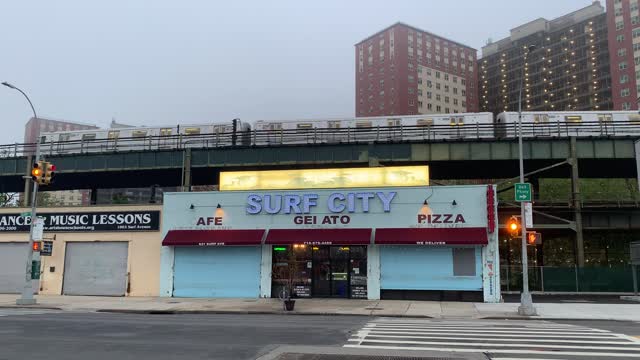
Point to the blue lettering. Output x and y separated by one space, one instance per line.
308 200
365 200
292 202
331 203
277 206
351 202
386 200
253 204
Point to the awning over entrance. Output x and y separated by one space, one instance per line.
431 236
212 237
319 236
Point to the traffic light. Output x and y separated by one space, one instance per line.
534 238
513 226
37 245
37 172
49 172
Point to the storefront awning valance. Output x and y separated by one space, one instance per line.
212 237
431 236
319 236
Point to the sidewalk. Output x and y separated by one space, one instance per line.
395 308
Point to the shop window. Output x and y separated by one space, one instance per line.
464 262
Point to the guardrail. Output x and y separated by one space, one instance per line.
328 136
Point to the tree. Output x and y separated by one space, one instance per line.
8 199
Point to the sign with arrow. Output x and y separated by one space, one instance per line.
523 192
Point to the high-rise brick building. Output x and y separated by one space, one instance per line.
35 126
403 70
568 70
623 20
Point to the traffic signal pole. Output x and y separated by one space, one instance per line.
27 291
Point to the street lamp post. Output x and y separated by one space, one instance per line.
27 291
526 303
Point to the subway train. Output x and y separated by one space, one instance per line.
426 127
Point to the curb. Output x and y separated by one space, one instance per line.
249 312
29 307
507 317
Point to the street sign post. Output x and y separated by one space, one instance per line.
523 192
528 215
47 248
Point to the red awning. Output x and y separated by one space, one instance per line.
319 236
212 237
432 236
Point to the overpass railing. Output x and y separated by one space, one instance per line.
384 134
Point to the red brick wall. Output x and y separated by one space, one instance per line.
616 87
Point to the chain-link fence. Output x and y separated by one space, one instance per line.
615 279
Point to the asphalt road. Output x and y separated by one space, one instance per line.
96 336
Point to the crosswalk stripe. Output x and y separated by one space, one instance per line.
620 341
503 340
515 351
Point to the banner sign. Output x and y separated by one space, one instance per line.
85 221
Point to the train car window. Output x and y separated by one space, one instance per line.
543 118
192 131
573 118
274 126
88 137
114 134
334 125
363 124
304 126
165 131
64 137
139 133
394 122
634 118
605 117
424 122
460 121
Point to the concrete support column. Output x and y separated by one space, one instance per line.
94 196
577 203
265 271
373 272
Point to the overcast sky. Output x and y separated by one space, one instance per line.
186 61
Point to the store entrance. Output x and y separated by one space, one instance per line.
320 271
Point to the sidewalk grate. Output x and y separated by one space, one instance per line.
299 356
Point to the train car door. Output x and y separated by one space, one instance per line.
606 124
394 127
63 142
112 139
541 126
165 140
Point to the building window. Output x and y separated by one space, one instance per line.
626 106
419 80
429 94
419 92
455 78
446 110
622 52
438 74
634 6
410 90
446 99
446 77
438 108
635 20
437 97
625 92
455 91
411 102
619 25
618 11
636 47
463 82
464 262
437 86
455 101
622 65
429 107
464 93
419 104
429 84
411 79
464 104
620 38
446 88
624 79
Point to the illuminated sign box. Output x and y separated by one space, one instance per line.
325 178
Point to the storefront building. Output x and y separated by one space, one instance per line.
400 242
107 251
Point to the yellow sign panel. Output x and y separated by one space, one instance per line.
325 178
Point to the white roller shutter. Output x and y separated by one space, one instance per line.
95 268
13 257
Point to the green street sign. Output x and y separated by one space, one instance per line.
523 192
25 214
